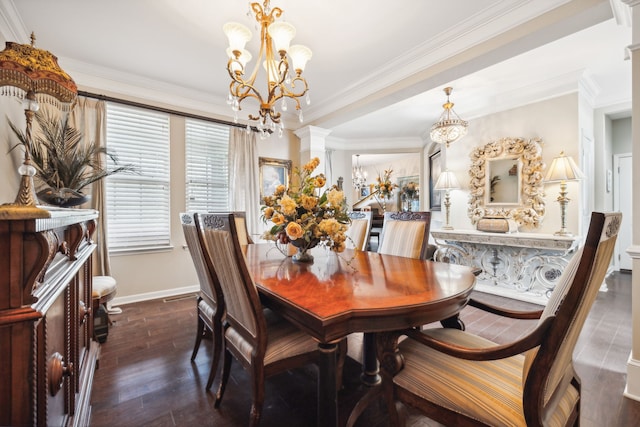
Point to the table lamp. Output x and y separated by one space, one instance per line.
563 169
34 76
447 181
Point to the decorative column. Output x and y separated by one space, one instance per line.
312 144
632 389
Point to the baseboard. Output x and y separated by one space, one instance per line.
129 299
632 389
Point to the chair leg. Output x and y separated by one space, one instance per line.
217 350
394 415
199 334
226 370
258 396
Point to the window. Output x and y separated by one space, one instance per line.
138 216
207 168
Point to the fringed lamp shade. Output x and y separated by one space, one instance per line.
25 68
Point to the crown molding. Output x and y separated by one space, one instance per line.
11 26
490 23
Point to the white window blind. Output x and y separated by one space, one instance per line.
207 166
138 216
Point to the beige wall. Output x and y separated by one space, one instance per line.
11 109
554 120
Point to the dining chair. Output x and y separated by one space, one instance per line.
210 301
263 344
405 234
358 231
458 378
240 219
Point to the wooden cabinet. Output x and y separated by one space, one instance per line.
47 352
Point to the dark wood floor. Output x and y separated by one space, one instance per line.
145 376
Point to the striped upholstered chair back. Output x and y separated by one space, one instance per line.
358 231
244 311
210 302
405 234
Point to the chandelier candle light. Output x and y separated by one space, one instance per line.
447 181
563 169
283 75
450 127
34 76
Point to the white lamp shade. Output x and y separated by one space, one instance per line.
237 34
243 59
299 56
281 33
563 168
447 181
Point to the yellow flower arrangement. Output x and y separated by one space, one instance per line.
384 185
305 217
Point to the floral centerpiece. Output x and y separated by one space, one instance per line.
384 187
306 216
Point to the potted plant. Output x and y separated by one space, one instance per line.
64 164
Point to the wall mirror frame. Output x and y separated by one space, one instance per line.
525 204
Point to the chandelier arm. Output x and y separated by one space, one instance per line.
236 89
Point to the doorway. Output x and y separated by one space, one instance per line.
622 201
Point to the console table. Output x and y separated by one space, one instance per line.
523 266
46 329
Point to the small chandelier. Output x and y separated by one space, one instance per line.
358 176
450 127
283 75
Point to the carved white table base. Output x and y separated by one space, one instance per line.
523 266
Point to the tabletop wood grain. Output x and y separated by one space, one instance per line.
357 291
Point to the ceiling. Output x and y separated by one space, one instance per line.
378 68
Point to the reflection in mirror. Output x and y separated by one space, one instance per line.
512 168
504 181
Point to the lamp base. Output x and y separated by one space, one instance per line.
563 233
447 227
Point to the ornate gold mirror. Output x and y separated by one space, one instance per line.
506 181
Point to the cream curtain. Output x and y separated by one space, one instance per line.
89 116
244 194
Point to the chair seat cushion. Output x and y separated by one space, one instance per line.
103 286
488 391
284 340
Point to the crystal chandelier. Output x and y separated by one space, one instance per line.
450 127
282 63
358 176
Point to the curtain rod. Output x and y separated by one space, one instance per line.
159 109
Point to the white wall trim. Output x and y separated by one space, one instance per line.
130 299
633 377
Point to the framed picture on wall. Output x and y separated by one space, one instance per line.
273 172
435 167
